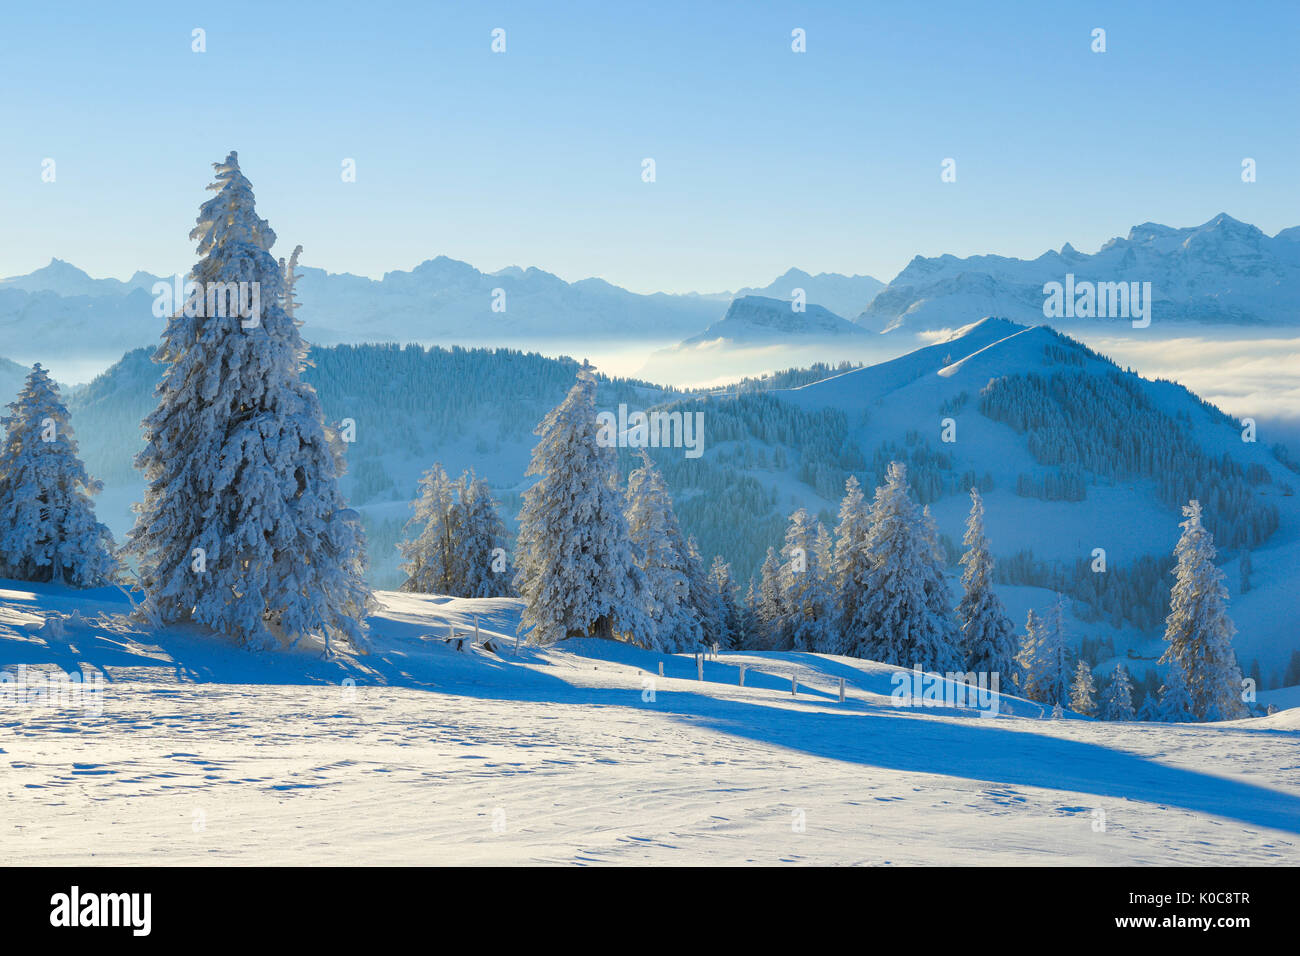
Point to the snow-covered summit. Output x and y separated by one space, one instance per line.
1223 270
754 318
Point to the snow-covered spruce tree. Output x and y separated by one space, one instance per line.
1198 629
906 608
432 557
805 590
482 543
459 541
1150 709
576 565
988 636
770 609
1028 661
731 633
751 624
48 530
1175 700
242 528
820 601
852 568
290 272
702 598
1117 702
1083 690
652 528
1053 657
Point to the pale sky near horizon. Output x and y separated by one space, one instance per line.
827 160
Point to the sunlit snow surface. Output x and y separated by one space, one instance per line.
204 753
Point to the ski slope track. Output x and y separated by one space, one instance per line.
423 753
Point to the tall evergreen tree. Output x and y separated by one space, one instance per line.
1083 690
459 536
242 528
653 530
731 633
1198 629
988 636
433 559
576 565
852 570
291 276
770 608
702 599
1118 700
906 609
48 530
1175 699
1028 661
806 598
1053 664
751 623
486 569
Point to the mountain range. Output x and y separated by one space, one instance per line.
440 300
1222 271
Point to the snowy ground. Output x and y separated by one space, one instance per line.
419 753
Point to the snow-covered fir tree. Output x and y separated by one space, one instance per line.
806 598
1198 629
1175 699
1117 700
291 276
1053 657
702 598
483 541
1044 658
433 560
770 611
906 609
1083 690
459 539
938 595
1150 709
852 568
988 636
576 565
1027 660
653 530
242 527
731 633
48 530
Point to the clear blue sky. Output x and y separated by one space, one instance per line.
827 160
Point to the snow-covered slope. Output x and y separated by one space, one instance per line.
1221 271
912 395
767 454
582 754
